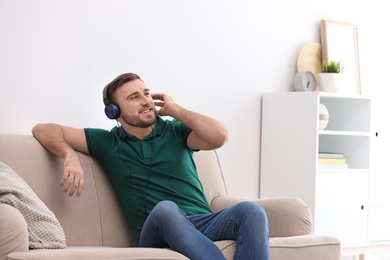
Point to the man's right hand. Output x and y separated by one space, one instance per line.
73 178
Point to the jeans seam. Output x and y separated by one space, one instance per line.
223 223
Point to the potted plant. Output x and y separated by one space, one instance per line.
330 78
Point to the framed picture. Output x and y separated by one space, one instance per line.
340 43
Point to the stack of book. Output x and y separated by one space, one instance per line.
327 160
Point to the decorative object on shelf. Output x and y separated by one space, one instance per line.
323 117
309 59
305 81
339 41
331 76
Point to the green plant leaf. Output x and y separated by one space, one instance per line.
332 66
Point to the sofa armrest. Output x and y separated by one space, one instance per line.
13 231
287 216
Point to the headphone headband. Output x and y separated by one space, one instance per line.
105 95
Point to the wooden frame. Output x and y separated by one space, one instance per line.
340 43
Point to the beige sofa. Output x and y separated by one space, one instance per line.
94 224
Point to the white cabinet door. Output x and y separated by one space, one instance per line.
379 229
342 205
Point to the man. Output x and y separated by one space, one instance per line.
149 162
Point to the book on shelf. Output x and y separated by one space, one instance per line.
330 155
332 161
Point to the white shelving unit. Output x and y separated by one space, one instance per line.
290 143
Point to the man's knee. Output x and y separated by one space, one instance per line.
166 211
164 207
166 217
252 210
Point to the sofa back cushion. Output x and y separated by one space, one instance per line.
95 218
210 174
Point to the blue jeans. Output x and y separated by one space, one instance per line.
193 236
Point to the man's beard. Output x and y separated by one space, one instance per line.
137 122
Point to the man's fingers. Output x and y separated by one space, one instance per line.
69 184
158 96
159 104
72 185
80 188
72 181
63 179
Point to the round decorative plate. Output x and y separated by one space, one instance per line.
309 58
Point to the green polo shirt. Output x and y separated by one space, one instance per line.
145 172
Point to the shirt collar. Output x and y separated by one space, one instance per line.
157 131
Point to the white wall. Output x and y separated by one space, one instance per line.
213 56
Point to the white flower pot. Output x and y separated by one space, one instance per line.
330 82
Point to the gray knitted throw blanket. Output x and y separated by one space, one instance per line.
44 230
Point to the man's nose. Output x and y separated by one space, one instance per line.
145 100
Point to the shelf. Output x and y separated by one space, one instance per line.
338 96
346 114
348 171
348 133
354 145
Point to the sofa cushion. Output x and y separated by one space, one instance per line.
13 231
228 248
291 248
95 253
93 219
44 230
305 247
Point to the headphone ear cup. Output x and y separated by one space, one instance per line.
112 111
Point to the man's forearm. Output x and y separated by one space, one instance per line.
207 128
52 138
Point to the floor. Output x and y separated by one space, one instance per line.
376 256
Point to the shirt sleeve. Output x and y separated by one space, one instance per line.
99 141
182 131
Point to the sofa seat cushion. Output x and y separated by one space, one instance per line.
291 248
94 253
97 252
305 247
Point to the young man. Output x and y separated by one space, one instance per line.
149 162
